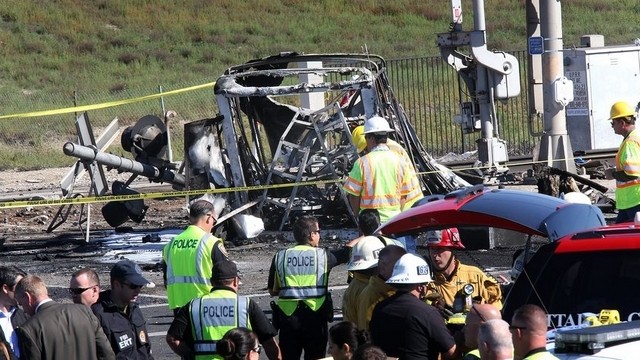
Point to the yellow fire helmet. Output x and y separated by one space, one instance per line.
357 136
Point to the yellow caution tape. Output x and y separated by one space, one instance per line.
107 104
164 195
142 196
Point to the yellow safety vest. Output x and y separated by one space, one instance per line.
542 355
302 275
189 265
212 316
472 355
628 160
383 181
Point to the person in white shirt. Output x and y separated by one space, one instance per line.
11 316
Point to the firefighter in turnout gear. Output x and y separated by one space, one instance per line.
203 321
299 276
450 275
627 170
381 179
188 259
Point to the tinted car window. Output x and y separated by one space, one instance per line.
574 283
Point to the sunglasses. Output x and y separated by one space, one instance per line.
78 291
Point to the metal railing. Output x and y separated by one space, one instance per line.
429 90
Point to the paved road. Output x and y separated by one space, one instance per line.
159 318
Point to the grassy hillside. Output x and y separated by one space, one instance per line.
112 45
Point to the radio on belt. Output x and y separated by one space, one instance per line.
590 340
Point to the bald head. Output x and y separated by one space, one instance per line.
494 340
533 317
479 314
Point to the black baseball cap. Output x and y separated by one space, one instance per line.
128 271
224 270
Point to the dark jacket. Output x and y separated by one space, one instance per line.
17 318
127 332
63 331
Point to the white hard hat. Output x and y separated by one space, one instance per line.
377 124
364 254
410 269
576 197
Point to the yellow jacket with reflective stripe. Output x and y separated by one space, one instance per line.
189 265
628 160
383 181
376 291
301 274
398 149
212 316
485 287
351 296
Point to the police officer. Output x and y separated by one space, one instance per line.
120 316
204 320
381 179
627 170
404 326
188 258
450 275
299 276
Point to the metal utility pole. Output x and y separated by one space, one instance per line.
555 147
489 76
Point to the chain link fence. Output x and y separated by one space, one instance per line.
428 88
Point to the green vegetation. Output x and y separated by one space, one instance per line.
57 53
100 45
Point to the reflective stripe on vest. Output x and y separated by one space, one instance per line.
189 265
215 314
628 160
302 271
200 277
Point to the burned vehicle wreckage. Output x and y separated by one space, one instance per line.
283 139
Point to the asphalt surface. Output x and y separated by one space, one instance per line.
56 261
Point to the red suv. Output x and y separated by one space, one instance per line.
585 267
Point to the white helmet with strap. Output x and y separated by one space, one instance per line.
364 254
410 269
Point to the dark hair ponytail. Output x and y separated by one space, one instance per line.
346 332
236 344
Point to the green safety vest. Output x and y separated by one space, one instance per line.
628 160
381 179
303 276
212 316
472 355
189 265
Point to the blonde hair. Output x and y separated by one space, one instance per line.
33 285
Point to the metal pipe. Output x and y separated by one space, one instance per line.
122 164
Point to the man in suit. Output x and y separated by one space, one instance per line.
11 316
57 331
